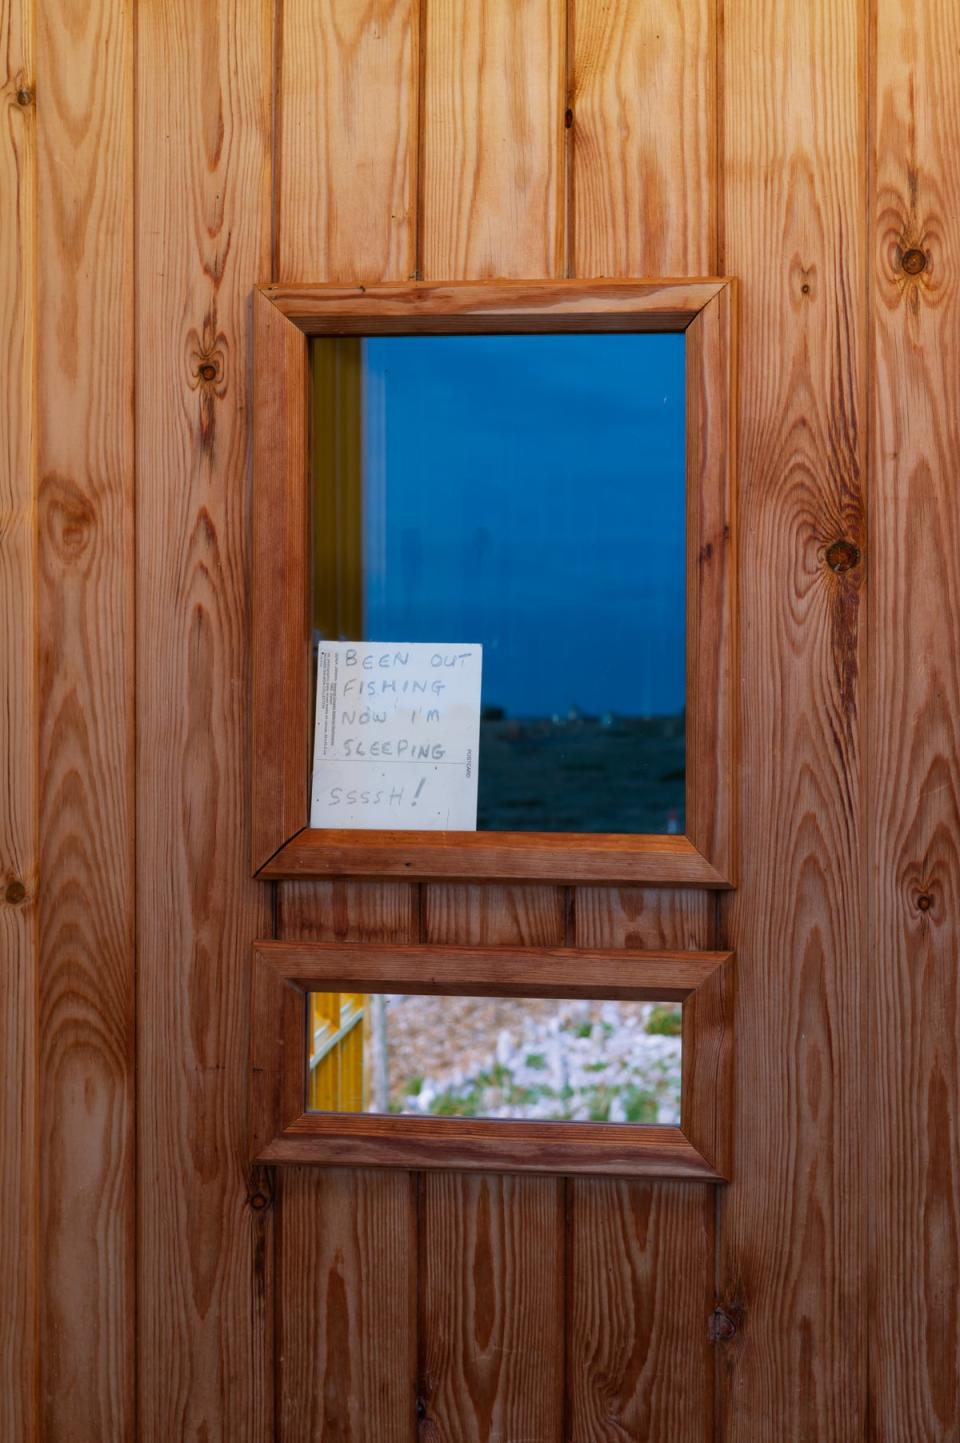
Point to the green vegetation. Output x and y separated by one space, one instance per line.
664 1022
639 1106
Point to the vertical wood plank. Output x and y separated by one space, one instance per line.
203 93
791 1224
348 1332
644 917
642 202
86 902
492 140
492 1248
347 140
18 728
346 188
486 916
342 911
643 102
492 203
641 1294
641 1255
914 800
491 1305
348 1239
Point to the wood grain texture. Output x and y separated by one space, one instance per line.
551 857
346 140
644 917
708 1063
467 306
492 915
914 804
791 1224
19 728
282 630
86 904
643 102
711 583
348 1332
490 1147
491 1304
277 1077
492 148
498 971
640 1297
345 911
203 104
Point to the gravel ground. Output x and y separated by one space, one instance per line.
544 1059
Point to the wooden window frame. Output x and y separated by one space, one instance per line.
284 1131
284 845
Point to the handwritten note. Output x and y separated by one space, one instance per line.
397 736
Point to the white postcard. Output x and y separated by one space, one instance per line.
397 736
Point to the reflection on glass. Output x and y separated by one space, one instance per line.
526 492
545 1059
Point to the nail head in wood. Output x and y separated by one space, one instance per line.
842 555
914 261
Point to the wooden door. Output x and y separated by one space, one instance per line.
157 165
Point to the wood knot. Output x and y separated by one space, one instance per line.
24 96
924 902
69 518
205 356
261 1189
568 117
802 280
208 369
913 261
722 1326
15 892
842 555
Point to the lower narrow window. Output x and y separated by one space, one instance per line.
530 1058
524 492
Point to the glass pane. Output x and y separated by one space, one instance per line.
546 1059
526 492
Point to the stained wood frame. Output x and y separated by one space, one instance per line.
284 845
283 1131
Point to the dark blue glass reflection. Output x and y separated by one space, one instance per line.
528 492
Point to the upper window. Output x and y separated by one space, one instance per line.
544 469
526 492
